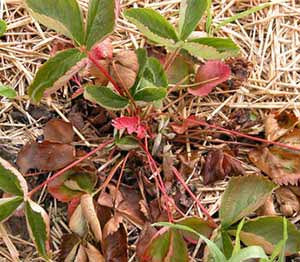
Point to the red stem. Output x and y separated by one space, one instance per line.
104 72
203 209
62 171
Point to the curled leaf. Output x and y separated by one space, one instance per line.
209 75
58 131
45 156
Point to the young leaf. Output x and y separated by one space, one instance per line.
152 25
247 253
252 192
3 27
105 97
101 21
267 232
200 51
8 92
11 181
39 227
211 74
216 252
56 72
63 16
190 14
150 94
8 206
154 73
225 46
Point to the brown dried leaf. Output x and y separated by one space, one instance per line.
78 223
68 247
267 209
112 225
81 255
45 156
90 215
94 254
94 71
220 164
144 240
58 131
288 201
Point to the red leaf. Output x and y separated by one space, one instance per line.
131 124
210 75
181 129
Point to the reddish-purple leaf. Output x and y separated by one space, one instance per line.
131 124
209 75
58 131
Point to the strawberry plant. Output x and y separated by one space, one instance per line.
136 84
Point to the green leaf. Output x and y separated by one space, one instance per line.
225 46
227 246
209 17
215 251
242 15
179 71
127 143
11 180
8 206
105 97
247 253
8 92
252 192
64 16
190 14
267 232
150 94
237 246
200 51
152 25
56 72
38 226
101 21
3 27
154 73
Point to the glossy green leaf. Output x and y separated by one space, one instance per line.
225 46
64 16
142 59
57 71
8 206
243 196
215 251
200 51
152 25
11 180
248 253
155 73
8 92
3 27
105 97
267 232
38 226
190 14
150 94
100 22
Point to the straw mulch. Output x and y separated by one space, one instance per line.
270 39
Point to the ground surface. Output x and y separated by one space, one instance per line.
270 39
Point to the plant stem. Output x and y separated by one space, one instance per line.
203 209
62 171
104 72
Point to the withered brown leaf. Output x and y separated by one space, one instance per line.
58 131
288 201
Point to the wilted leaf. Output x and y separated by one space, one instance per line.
200 51
78 223
190 14
3 27
56 72
89 212
45 156
148 232
105 97
68 247
58 131
152 25
115 244
243 196
8 206
220 164
267 232
288 201
7 92
225 46
38 226
131 124
62 16
72 184
279 124
210 75
11 181
94 254
101 20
